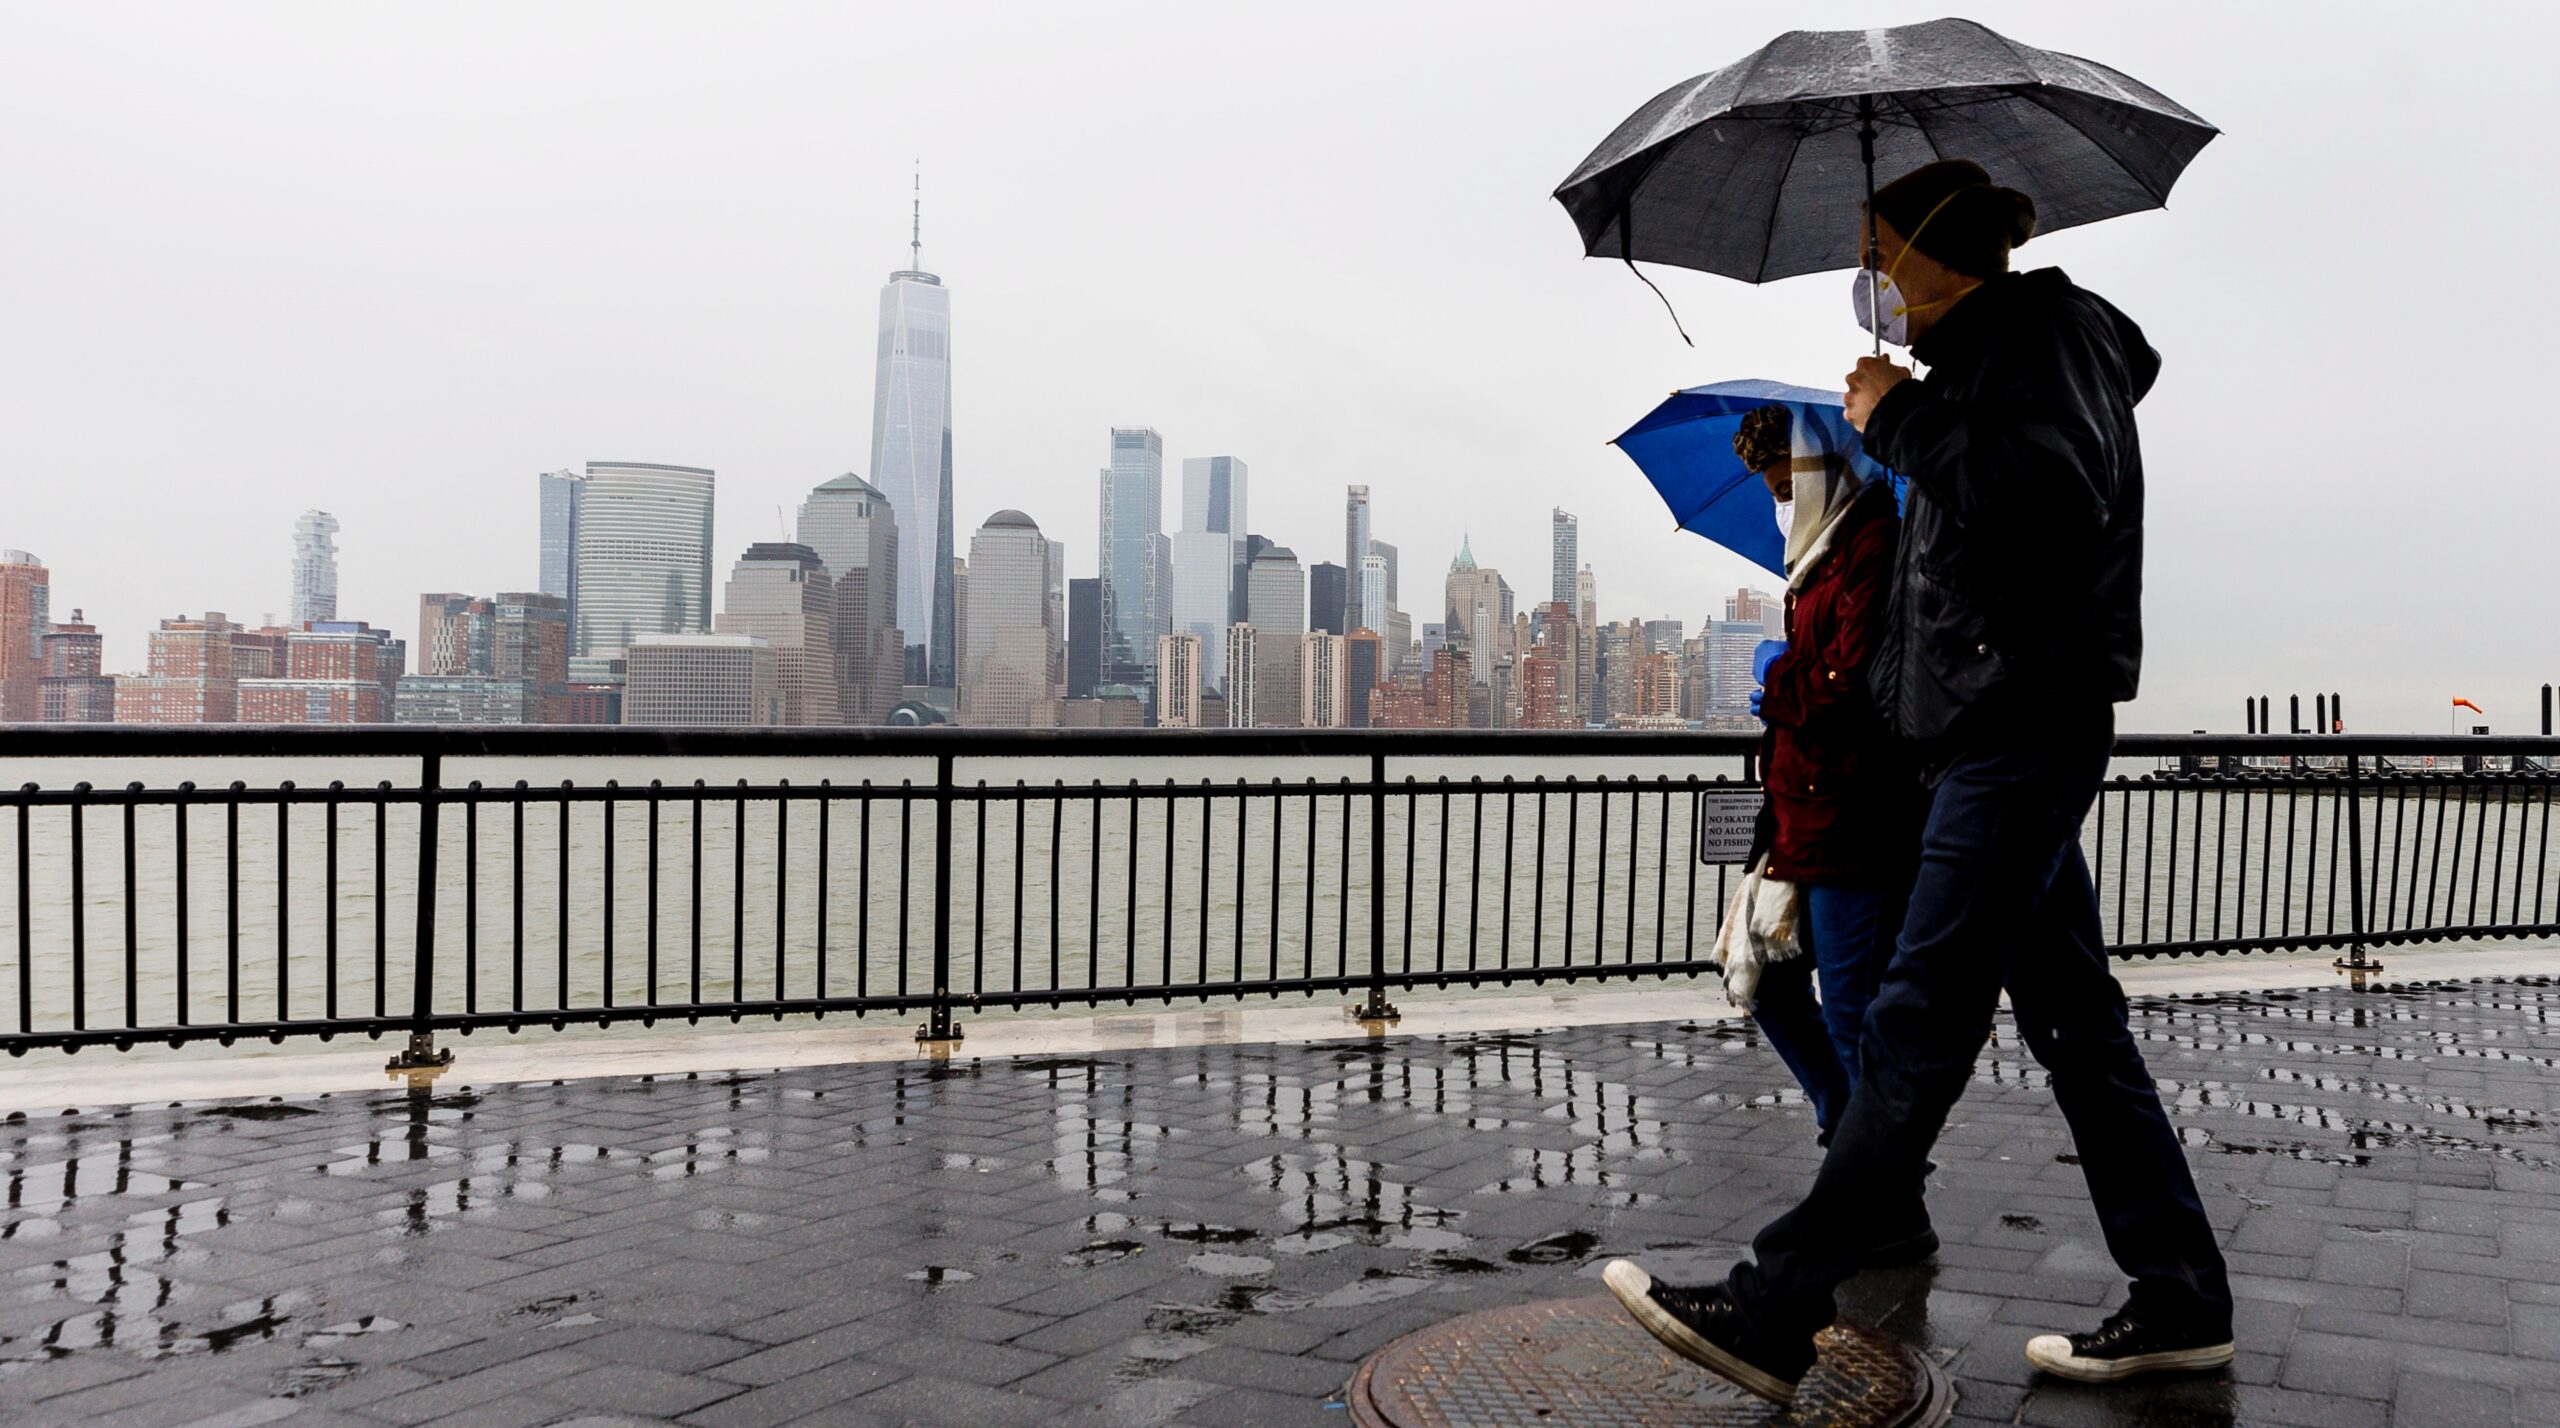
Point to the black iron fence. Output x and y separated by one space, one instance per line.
942 872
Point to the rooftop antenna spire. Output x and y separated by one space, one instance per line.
915 232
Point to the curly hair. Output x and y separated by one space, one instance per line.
1767 435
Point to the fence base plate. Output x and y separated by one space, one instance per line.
1583 1361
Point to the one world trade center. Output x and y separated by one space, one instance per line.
911 456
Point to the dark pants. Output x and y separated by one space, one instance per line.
1851 932
2003 899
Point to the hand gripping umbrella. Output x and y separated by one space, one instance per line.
1753 171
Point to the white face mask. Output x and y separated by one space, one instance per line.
1888 307
1786 519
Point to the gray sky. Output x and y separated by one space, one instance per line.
393 261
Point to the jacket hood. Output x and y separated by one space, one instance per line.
2141 362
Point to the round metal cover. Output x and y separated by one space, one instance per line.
1584 1363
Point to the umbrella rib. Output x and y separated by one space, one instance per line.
1769 230
2033 94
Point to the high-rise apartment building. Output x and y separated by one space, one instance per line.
1662 637
529 643
334 672
456 634
315 567
1355 549
1013 673
644 559
1324 681
1276 607
26 614
700 681
1178 680
911 461
1328 598
1243 683
1134 588
781 593
74 687
463 699
1565 557
561 492
190 678
854 530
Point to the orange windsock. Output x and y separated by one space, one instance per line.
2461 703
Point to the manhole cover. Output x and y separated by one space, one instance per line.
1583 1363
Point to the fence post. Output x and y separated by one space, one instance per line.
421 1061
938 1029
1375 1007
2355 960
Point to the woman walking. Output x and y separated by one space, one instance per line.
1841 831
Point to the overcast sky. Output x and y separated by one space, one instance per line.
393 261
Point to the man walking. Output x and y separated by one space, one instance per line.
2014 628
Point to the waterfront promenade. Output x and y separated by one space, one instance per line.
1219 1234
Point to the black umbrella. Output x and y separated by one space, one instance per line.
1758 170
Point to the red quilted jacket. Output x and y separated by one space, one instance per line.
1841 788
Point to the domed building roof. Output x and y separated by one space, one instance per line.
1010 519
848 482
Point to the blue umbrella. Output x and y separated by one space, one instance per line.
1685 448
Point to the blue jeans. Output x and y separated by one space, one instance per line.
2003 899
1852 940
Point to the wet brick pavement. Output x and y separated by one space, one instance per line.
1218 1235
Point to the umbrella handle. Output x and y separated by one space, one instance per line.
1867 155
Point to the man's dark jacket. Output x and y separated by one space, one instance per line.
2017 596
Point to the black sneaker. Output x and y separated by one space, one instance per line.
1704 1327
2125 1347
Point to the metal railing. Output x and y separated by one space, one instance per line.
950 871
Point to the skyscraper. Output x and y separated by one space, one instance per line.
1479 622
1012 674
1328 598
644 559
1276 607
1243 682
1355 549
1133 584
1208 557
853 529
911 458
561 491
315 567
1373 589
1084 637
782 594
26 614
1565 541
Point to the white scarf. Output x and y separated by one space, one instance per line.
1824 489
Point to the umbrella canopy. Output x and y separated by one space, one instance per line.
1685 448
1758 170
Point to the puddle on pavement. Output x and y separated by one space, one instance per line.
1570 1246
1101 1252
934 1276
